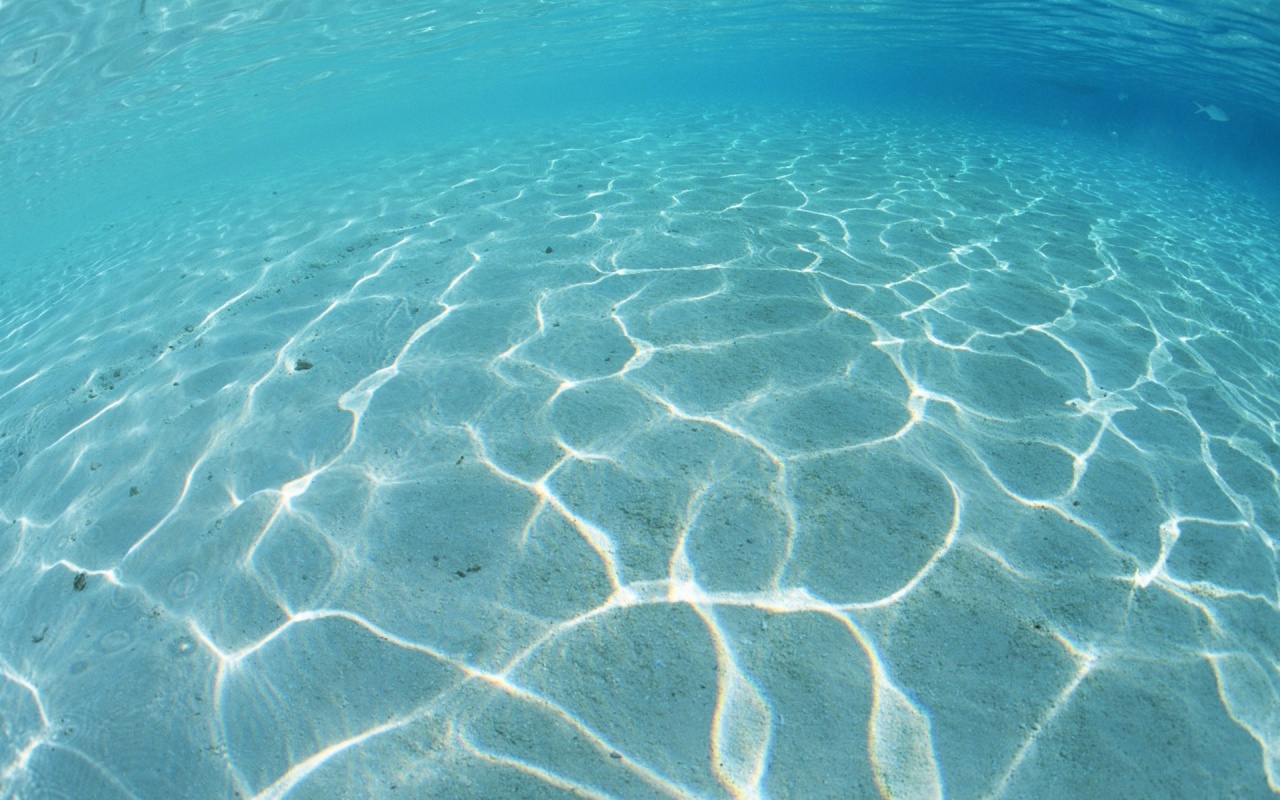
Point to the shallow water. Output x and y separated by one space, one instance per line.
710 447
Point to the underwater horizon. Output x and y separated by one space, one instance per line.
791 399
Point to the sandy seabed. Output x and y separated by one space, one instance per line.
679 455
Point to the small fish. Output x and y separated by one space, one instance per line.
1212 112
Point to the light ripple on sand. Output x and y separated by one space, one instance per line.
788 456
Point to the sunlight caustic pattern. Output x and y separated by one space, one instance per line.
679 456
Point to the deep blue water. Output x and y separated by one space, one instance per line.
666 399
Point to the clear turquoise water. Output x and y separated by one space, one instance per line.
576 399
